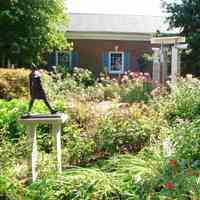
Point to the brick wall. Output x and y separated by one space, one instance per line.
90 52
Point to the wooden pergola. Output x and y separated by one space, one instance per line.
159 58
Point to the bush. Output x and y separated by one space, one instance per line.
136 87
77 144
186 140
9 189
13 83
120 132
83 77
82 184
10 113
182 102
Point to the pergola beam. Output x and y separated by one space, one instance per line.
168 40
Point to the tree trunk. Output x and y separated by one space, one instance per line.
8 63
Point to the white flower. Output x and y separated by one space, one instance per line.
167 147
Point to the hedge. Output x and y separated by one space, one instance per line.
13 83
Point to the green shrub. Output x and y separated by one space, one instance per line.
135 88
120 132
10 189
10 113
13 83
186 139
83 77
136 93
12 130
77 144
82 184
182 102
111 91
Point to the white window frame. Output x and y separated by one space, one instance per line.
109 62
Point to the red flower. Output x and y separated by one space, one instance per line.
169 185
173 163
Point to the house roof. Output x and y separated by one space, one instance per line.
114 23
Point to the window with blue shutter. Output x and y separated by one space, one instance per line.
60 58
116 62
64 59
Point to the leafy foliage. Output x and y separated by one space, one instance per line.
184 15
78 145
119 132
78 183
182 102
39 27
134 134
10 190
13 83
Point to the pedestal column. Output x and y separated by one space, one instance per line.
32 162
56 129
31 123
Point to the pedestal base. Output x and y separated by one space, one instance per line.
31 121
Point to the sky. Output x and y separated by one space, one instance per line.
135 7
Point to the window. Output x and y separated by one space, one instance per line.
116 62
63 59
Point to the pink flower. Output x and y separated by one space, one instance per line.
144 78
146 74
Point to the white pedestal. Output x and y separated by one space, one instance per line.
31 123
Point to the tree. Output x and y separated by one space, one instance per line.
28 29
185 14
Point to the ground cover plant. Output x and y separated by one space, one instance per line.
126 139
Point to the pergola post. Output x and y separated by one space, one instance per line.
176 64
156 64
163 61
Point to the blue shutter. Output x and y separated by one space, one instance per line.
126 61
105 61
51 59
70 59
75 59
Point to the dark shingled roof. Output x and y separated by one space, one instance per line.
82 22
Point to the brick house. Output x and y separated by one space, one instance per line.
114 43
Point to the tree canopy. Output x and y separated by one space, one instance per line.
30 28
185 14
